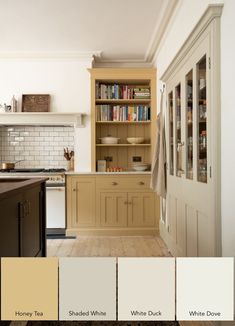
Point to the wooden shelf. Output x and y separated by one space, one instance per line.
122 101
122 154
123 122
123 145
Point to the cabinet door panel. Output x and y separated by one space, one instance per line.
9 226
141 209
30 224
83 202
113 209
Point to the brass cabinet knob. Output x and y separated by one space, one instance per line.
74 189
141 183
114 183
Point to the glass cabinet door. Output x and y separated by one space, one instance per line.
178 130
189 125
171 132
202 121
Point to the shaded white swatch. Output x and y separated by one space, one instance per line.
87 288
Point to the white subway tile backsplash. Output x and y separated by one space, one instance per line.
37 146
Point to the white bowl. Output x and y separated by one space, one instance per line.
109 140
140 167
135 140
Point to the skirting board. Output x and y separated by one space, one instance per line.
112 232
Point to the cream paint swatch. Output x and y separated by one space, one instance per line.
146 289
205 288
29 289
87 288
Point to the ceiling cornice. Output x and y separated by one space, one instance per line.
157 35
45 55
160 28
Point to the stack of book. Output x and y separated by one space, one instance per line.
122 113
142 93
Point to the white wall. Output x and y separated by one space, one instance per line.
187 15
227 127
68 83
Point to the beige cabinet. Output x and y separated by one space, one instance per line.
113 209
111 205
141 209
81 208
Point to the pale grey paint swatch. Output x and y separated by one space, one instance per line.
205 288
87 288
146 288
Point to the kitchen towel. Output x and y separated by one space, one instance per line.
158 176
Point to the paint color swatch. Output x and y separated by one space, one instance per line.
146 289
204 288
29 288
87 288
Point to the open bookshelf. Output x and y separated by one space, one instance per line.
123 104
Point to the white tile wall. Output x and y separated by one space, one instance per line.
36 146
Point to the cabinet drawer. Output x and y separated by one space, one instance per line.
114 183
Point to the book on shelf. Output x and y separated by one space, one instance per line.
122 113
117 91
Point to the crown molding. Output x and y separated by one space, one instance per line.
160 28
121 63
51 55
167 12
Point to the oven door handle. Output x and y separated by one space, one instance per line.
55 188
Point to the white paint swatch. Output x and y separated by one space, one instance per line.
146 288
204 288
87 288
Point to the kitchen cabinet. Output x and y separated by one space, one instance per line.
30 223
141 210
113 209
111 204
23 219
192 223
81 202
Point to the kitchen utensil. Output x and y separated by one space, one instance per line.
109 140
9 166
135 140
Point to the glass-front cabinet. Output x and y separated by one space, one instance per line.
187 115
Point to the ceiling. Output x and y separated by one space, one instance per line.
115 30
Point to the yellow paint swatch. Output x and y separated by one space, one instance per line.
29 289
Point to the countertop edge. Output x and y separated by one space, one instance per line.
16 187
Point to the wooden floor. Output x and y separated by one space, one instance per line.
91 246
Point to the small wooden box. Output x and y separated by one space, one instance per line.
35 103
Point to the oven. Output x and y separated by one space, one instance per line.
55 209
55 204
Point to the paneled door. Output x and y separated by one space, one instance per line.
141 209
113 208
190 221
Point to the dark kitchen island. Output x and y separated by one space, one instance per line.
22 217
